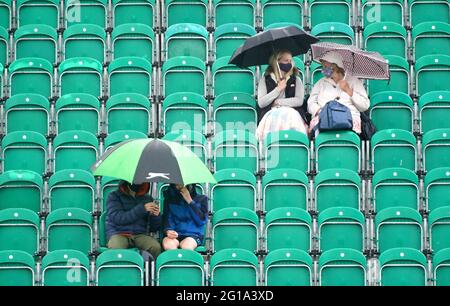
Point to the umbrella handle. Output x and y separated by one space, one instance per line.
279 71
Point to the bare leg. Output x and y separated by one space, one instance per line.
170 244
188 244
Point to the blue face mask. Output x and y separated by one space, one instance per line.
327 71
285 67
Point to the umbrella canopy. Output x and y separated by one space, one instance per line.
152 160
357 62
256 50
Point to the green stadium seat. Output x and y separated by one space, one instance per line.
342 267
341 227
399 81
230 78
234 188
441 268
38 12
393 148
398 227
1 80
394 187
431 37
24 150
315 70
79 112
434 111
135 11
392 110
186 39
72 188
184 74
17 268
86 12
432 71
21 189
119 268
436 149
387 38
228 37
288 267
428 10
19 230
107 185
65 268
402 267
374 11
81 75
5 14
27 112
235 149
338 149
31 75
285 188
336 32
287 149
439 228
180 268
130 75
234 267
195 141
337 188
184 111
233 11
129 111
84 40
175 12
122 135
274 11
36 40
74 150
69 228
4 44
330 10
134 40
235 227
437 188
234 110
288 227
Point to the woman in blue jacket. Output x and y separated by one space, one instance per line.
185 215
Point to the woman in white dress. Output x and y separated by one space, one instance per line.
280 90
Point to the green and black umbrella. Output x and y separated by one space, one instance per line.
152 160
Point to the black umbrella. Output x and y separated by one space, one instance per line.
256 50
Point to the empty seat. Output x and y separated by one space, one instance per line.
338 149
86 12
80 75
36 40
273 11
17 268
288 267
239 11
432 71
393 148
24 150
392 110
119 268
184 111
234 110
285 188
195 141
184 74
234 267
2 82
175 12
287 149
228 37
69 228
19 230
441 268
315 72
5 14
85 40
374 11
439 223
135 11
72 188
27 112
431 37
434 110
228 78
402 267
288 227
129 111
130 75
399 80
393 187
4 44
341 227
342 267
337 188
74 150
324 11
234 188
21 189
387 38
79 112
397 227
38 12
437 188
134 40
235 227
336 32
434 10
436 149
65 268
186 39
179 268
31 75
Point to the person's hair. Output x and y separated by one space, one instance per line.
272 68
176 196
